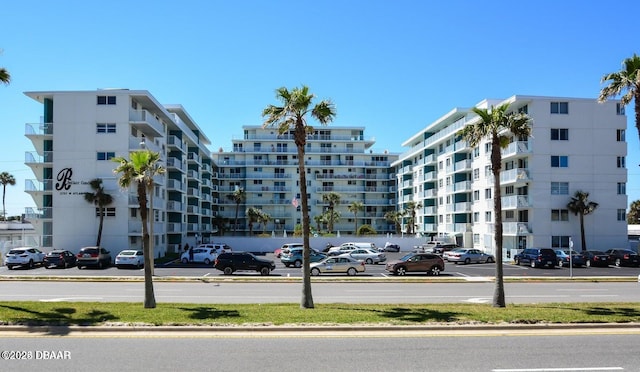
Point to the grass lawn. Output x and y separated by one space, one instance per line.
94 314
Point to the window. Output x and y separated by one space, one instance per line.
487 216
476 152
622 188
105 128
487 193
559 161
621 162
108 212
476 195
559 134
476 238
619 108
106 100
509 190
476 216
560 241
559 215
620 135
476 174
524 109
559 188
101 155
559 107
509 215
622 214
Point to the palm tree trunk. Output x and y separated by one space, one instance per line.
101 209
4 209
582 237
149 296
637 109
307 298
496 165
355 219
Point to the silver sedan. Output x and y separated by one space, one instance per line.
469 255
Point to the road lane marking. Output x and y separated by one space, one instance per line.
560 369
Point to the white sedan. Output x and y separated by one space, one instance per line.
369 256
469 255
25 256
340 265
131 258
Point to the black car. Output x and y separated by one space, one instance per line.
537 257
389 247
59 258
231 262
595 258
623 257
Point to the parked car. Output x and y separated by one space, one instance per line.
595 258
24 256
369 256
130 258
59 258
537 257
342 265
389 247
205 254
293 256
469 255
93 256
623 257
231 262
445 255
436 247
429 263
348 247
285 248
563 258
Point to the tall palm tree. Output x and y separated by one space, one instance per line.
396 218
626 80
332 198
355 207
238 197
5 77
253 215
6 179
580 205
100 199
497 124
319 221
264 218
140 170
410 209
291 116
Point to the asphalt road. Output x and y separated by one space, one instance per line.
501 351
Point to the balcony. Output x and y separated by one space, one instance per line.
175 163
192 191
515 148
516 175
193 157
32 185
146 122
38 129
174 142
515 201
175 206
175 185
193 209
516 228
38 214
32 157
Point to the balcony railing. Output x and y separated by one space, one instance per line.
32 157
38 129
153 127
35 185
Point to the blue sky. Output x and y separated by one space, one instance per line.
390 66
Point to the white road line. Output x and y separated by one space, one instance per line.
560 369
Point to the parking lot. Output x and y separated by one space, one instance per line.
471 271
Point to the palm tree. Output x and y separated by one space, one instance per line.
5 77
100 199
139 171
253 215
296 104
633 217
410 210
264 218
626 80
6 179
238 197
396 218
319 221
332 198
581 206
330 216
354 208
497 124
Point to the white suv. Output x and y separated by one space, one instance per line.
205 253
25 256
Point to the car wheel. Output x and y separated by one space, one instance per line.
517 261
560 263
9 267
140 265
297 264
369 261
435 271
265 271
100 265
401 270
467 261
352 271
65 264
185 261
618 262
227 270
118 267
80 267
533 264
315 271
489 260
588 263
207 261
31 265
287 264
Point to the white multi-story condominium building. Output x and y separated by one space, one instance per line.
337 159
80 131
576 145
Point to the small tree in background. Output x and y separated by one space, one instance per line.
633 217
581 206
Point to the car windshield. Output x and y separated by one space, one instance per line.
406 257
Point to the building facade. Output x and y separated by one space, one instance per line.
576 145
79 133
341 160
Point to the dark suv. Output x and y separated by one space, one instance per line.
537 257
231 262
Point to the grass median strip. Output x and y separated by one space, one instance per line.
176 314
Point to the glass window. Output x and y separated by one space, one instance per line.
559 134
559 161
559 215
559 107
619 108
559 188
105 155
620 135
559 241
622 215
622 188
621 162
